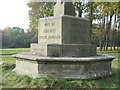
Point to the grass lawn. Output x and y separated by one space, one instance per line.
8 52
116 61
11 80
14 50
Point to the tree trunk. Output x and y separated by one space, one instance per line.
114 34
118 26
102 41
109 33
106 34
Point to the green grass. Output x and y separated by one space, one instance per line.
116 61
14 50
11 80
8 59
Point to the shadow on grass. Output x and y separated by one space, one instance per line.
7 66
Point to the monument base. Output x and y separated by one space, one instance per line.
63 67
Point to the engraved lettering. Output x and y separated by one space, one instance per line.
43 37
39 49
49 31
49 37
47 24
50 24
53 24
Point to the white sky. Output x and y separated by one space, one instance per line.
14 13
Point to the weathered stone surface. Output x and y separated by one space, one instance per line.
63 50
64 67
50 30
64 30
26 67
73 70
64 8
75 30
71 50
28 56
38 49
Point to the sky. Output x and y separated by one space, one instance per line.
14 13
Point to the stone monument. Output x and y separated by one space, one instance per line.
63 49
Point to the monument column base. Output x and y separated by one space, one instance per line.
63 67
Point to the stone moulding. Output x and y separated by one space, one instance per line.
64 67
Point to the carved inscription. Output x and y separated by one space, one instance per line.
50 24
39 49
49 37
49 32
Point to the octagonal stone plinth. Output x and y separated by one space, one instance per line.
64 67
